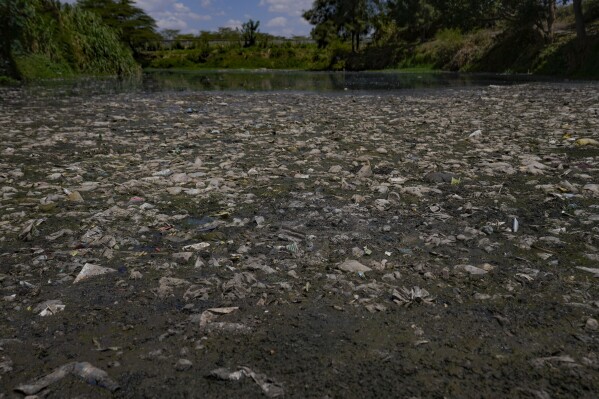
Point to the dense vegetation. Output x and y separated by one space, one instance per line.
135 28
524 36
543 36
44 38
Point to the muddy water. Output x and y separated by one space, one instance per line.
285 188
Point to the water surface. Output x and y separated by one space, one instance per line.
318 81
277 81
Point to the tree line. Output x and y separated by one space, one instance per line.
419 20
108 36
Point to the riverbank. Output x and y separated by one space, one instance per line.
248 244
482 51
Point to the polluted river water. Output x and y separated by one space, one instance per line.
300 235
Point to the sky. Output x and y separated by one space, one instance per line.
277 17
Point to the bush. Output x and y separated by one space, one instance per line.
441 51
41 66
474 47
8 81
61 41
591 10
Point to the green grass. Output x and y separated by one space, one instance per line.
425 68
8 81
300 57
38 66
569 57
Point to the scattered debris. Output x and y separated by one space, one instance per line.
271 388
84 370
408 297
305 227
49 308
353 266
90 270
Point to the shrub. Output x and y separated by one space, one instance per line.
59 41
591 10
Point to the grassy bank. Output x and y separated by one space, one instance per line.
490 51
506 47
277 56
450 50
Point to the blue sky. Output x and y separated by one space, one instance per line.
278 17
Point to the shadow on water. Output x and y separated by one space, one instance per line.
155 81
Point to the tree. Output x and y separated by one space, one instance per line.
341 18
466 15
536 14
324 16
416 18
170 34
249 32
355 20
581 32
13 18
136 28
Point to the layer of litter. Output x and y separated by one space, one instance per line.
449 237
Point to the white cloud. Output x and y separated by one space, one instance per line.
294 24
190 16
171 22
233 24
150 6
278 22
172 14
288 7
180 7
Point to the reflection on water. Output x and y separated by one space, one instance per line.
316 81
299 81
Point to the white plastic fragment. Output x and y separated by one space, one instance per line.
473 270
475 135
353 266
84 370
197 247
90 270
271 388
593 270
49 308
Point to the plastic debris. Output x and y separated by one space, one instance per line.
30 229
87 372
584 142
477 134
271 388
197 247
408 297
49 308
592 270
353 266
302 224
90 270
74 196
